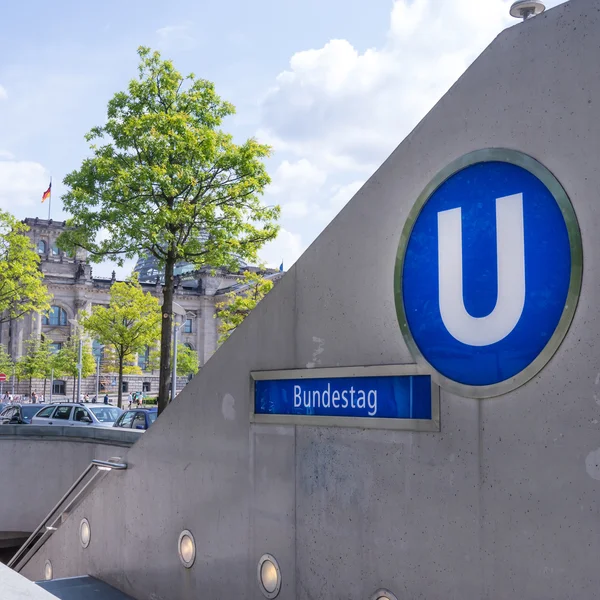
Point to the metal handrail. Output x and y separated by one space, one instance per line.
45 529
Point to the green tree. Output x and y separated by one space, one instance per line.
65 361
165 181
6 362
128 324
240 302
35 361
21 281
187 360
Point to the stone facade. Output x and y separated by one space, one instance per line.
74 288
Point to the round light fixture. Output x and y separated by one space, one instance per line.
525 9
186 547
383 595
85 533
47 570
269 576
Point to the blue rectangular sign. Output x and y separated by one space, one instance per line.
379 397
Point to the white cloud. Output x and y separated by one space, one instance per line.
286 248
22 184
176 37
3 93
348 109
335 113
6 155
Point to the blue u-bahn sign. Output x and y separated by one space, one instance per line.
488 272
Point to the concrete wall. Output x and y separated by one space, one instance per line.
501 504
40 463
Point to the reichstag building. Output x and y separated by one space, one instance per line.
75 289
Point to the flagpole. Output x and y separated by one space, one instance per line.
50 199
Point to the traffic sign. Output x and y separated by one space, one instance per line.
488 272
2 377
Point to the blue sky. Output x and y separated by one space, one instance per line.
334 86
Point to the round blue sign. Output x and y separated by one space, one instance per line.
489 272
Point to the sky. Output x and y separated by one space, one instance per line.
333 86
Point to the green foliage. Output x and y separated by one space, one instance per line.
21 281
187 360
6 362
37 361
110 363
164 181
127 325
240 303
66 359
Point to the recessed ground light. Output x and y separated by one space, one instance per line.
383 595
186 548
85 533
47 570
269 576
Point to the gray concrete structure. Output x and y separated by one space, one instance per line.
502 503
39 464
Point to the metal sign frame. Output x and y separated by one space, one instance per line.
530 164
432 424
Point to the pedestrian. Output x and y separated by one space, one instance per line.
33 397
94 399
139 400
86 398
130 399
105 398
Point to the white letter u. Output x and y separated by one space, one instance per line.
510 245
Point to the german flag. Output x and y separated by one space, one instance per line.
46 194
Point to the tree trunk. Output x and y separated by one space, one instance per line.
164 382
74 387
45 380
120 393
30 385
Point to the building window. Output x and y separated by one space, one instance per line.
55 250
125 387
55 347
58 388
188 326
41 247
97 350
57 316
188 345
144 359
146 386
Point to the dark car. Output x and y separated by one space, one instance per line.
137 418
19 414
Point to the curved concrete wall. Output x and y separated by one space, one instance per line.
38 464
501 503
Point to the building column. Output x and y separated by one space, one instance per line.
210 335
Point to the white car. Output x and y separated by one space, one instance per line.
77 414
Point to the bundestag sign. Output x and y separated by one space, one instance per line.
385 397
488 272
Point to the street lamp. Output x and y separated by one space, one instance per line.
179 311
100 348
77 329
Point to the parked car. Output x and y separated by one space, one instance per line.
77 413
137 418
19 414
